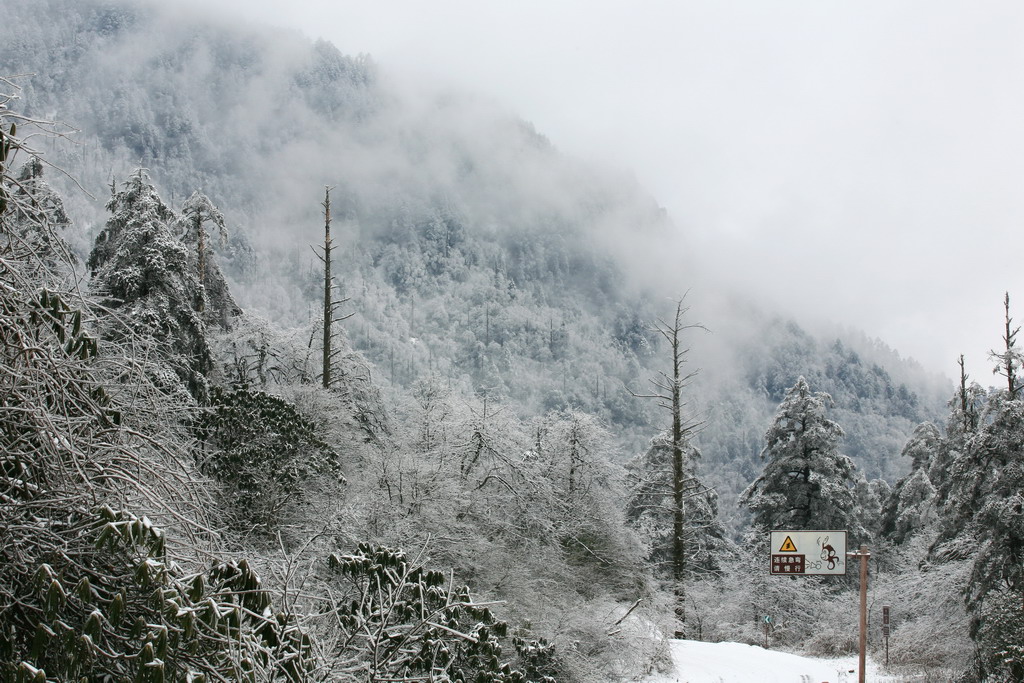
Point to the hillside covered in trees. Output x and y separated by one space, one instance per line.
467 245
458 476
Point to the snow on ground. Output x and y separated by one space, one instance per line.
699 662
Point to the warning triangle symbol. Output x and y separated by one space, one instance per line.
788 546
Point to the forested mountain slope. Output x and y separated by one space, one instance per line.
469 247
470 490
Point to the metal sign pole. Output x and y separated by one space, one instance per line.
797 552
863 554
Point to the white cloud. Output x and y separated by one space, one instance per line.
856 161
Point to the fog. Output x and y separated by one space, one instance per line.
854 162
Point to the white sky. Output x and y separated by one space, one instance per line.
861 162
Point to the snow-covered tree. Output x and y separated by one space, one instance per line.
39 220
215 300
668 392
911 506
1010 360
986 505
141 270
266 454
806 482
581 490
650 509
981 494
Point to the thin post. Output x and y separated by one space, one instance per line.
864 555
885 631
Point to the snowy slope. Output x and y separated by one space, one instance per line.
699 662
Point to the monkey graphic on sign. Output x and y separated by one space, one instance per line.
828 553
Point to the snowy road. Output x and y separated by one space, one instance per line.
698 662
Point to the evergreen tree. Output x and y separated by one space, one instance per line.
141 270
911 506
266 455
650 509
806 482
1010 359
986 506
965 403
39 220
965 410
215 301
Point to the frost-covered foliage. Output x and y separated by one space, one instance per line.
215 300
414 624
477 251
962 502
141 271
986 509
525 512
265 453
92 589
929 620
811 614
39 221
89 589
806 483
650 510
912 505
999 629
479 263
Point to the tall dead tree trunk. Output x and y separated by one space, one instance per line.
201 257
1009 340
669 394
327 374
967 413
328 303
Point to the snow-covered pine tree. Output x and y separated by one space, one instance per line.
986 515
806 482
965 410
39 220
1010 360
912 504
650 509
141 271
215 301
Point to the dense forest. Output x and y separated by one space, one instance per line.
474 433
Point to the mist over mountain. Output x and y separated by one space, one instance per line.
307 372
469 247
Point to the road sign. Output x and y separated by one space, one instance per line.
807 553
